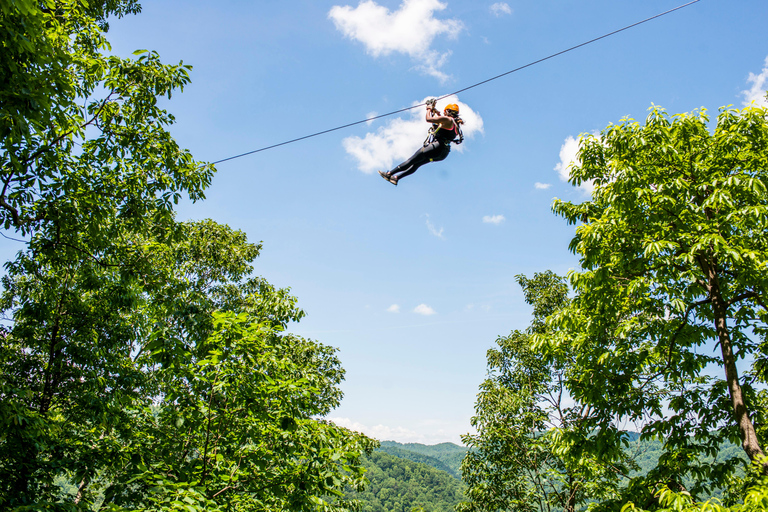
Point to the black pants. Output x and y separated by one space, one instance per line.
433 152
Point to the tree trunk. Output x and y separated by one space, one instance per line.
720 309
52 373
570 505
81 490
20 485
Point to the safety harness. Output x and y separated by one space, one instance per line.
431 137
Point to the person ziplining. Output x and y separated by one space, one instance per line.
445 129
430 105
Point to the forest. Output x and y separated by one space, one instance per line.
145 366
397 482
414 476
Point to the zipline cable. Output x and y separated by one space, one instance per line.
14 239
368 120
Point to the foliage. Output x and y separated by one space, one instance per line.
85 150
755 498
673 248
646 454
236 426
166 401
398 484
674 253
531 451
144 367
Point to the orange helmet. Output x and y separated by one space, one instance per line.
452 108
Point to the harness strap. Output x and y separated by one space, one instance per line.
435 127
460 138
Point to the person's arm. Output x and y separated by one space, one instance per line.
433 116
432 113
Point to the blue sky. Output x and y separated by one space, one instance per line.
414 283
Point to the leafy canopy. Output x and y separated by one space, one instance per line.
144 366
668 309
531 451
674 252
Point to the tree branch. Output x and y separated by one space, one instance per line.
92 256
208 429
685 323
739 298
224 489
58 139
17 219
13 211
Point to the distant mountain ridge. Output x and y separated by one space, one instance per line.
420 458
444 456
414 476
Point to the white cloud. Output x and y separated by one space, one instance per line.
400 138
500 8
568 152
493 219
409 30
432 229
370 117
567 157
436 431
542 186
423 309
756 93
382 432
394 308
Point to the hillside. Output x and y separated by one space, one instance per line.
444 456
400 484
406 476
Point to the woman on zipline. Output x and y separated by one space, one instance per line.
445 129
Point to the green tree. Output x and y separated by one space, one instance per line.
89 174
143 363
754 499
85 149
157 399
674 248
531 451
